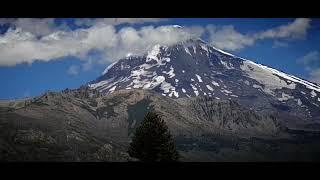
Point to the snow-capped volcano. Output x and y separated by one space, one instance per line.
194 68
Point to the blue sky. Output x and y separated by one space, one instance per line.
53 54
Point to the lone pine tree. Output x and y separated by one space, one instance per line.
152 141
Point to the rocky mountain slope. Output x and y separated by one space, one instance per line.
193 68
86 125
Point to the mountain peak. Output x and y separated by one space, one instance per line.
194 68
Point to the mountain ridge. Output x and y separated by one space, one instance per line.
85 125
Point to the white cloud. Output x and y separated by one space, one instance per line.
45 26
279 44
227 38
315 75
44 42
36 26
87 66
297 29
311 62
73 70
18 46
311 59
114 21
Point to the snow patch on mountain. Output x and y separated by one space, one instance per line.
169 89
209 87
156 81
226 53
215 83
285 97
153 53
247 82
270 77
199 78
257 86
313 94
101 83
195 90
205 48
170 73
187 50
299 102
266 77
140 72
226 65
109 85
226 91
109 67
112 89
177 26
194 49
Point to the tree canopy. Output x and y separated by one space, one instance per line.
152 141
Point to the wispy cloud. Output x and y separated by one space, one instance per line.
73 70
311 62
228 38
36 26
279 44
315 75
295 30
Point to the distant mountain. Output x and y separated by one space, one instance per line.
194 68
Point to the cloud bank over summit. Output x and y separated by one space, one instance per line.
19 46
28 40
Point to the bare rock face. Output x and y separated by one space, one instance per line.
230 116
33 136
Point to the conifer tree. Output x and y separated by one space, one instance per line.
152 141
